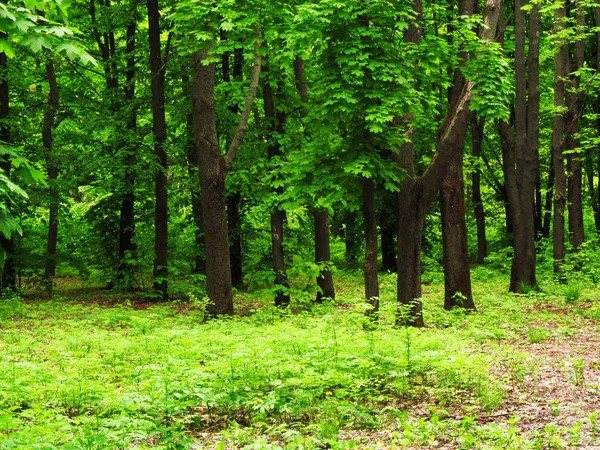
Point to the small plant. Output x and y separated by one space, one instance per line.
593 418
528 288
572 293
577 377
555 407
537 335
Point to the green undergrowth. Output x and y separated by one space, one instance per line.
81 375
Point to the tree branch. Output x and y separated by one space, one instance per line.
240 131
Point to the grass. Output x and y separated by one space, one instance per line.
84 375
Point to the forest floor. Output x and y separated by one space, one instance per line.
94 369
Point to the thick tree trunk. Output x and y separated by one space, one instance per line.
457 273
370 268
213 169
8 245
52 167
323 255
196 200
127 251
235 237
476 148
520 151
558 129
212 176
411 216
157 69
275 121
418 192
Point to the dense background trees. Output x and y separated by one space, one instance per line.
262 145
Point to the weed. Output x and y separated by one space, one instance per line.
537 335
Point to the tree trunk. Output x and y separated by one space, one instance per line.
558 129
457 273
574 165
388 223
323 255
234 220
322 251
196 200
47 128
213 169
8 244
548 200
275 121
370 268
127 251
235 237
212 177
477 139
157 69
417 193
352 236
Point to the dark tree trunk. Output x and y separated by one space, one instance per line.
8 244
323 256
235 237
370 268
157 69
388 223
558 129
520 152
196 199
574 165
548 200
457 273
417 193
539 208
52 167
322 251
212 176
477 139
595 192
234 217
275 121
213 169
127 251
352 236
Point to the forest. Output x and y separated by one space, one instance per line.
299 224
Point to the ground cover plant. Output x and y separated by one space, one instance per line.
83 372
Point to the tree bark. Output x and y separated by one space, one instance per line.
321 217
213 169
8 244
157 69
418 192
520 151
370 267
548 200
275 121
476 148
558 129
212 177
52 167
457 273
234 218
127 250
323 256
574 165
388 223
